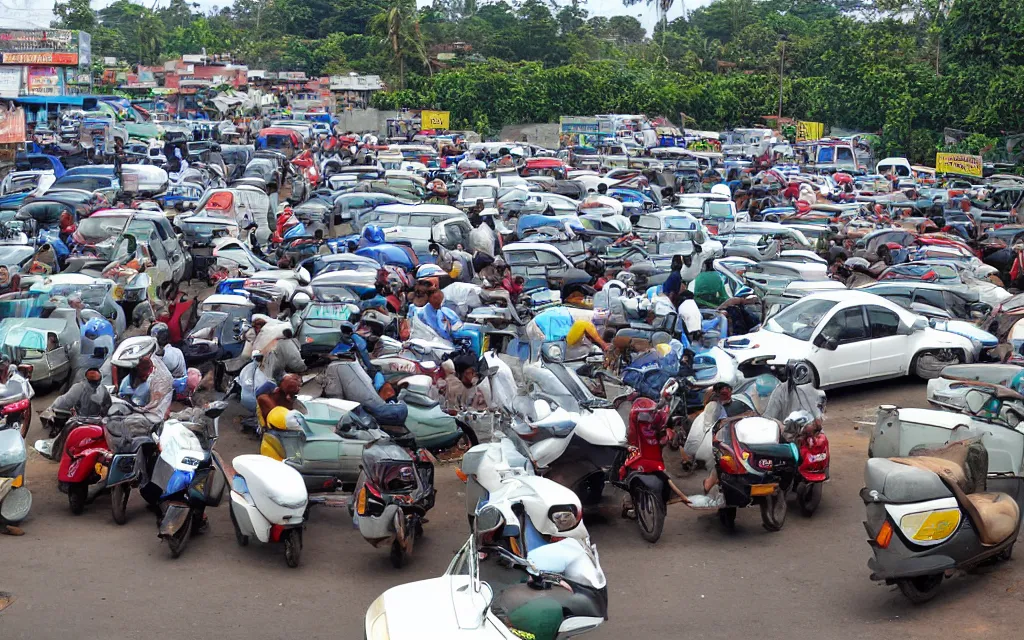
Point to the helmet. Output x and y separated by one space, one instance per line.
374 234
161 332
277 419
798 420
642 411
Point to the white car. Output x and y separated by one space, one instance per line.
852 336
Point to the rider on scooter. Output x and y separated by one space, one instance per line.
172 356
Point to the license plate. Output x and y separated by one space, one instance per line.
817 457
762 489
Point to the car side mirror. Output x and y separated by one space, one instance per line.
919 324
824 342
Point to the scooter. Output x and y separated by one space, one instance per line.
555 591
268 503
185 474
84 462
15 498
133 451
393 496
495 473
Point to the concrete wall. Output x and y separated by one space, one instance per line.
364 120
543 134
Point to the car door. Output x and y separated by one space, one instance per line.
850 359
888 347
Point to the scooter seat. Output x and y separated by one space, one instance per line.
998 516
778 451
900 483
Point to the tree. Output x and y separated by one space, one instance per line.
73 14
399 27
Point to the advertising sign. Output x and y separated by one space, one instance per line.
42 57
961 163
809 131
12 126
43 81
586 125
56 40
84 49
10 82
435 120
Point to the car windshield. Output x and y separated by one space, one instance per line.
327 311
799 319
14 255
477 192
334 293
97 229
88 183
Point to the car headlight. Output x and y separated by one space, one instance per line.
565 516
377 621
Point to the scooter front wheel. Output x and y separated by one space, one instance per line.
398 555
78 496
727 516
292 547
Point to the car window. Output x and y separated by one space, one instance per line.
548 259
884 323
930 297
519 258
846 326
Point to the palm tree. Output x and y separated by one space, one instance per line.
663 7
399 27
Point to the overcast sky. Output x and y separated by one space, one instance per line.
36 14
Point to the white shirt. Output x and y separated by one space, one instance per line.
174 360
689 315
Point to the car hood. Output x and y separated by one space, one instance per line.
766 343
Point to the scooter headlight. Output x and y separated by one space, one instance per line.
929 527
565 516
377 621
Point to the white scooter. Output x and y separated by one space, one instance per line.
268 502
495 473
557 591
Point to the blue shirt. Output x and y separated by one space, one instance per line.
443 321
139 395
672 283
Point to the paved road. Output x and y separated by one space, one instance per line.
85 577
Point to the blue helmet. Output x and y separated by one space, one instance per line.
373 234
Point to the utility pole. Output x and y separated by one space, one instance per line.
782 75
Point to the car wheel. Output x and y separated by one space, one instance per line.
929 364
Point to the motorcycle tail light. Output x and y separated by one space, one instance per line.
884 536
731 465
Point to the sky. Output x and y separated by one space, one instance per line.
36 14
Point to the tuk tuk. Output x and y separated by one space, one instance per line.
285 141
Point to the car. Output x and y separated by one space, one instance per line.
45 345
851 336
474 189
15 260
18 186
101 231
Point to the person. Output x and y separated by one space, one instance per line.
88 398
513 284
602 189
467 377
439 192
135 386
355 342
442 320
172 356
708 290
215 158
674 282
690 319
283 395
284 358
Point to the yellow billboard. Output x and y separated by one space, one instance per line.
809 131
961 163
435 120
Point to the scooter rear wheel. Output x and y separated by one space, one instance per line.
727 516
810 498
650 514
78 495
773 511
119 502
292 547
398 555
920 589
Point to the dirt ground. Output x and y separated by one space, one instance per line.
86 577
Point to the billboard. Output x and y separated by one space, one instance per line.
435 120
586 125
10 82
45 47
44 81
960 163
809 131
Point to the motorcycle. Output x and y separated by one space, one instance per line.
84 462
132 456
552 592
185 474
15 498
268 502
393 496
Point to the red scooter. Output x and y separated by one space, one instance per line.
642 474
814 461
83 463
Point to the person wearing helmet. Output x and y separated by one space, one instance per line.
172 356
372 235
135 386
88 398
283 396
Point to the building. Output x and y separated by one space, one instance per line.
354 91
44 62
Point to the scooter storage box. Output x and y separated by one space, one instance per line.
267 477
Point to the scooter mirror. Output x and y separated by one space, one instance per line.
488 520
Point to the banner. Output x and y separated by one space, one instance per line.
586 125
10 82
960 163
12 126
43 57
809 131
435 120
